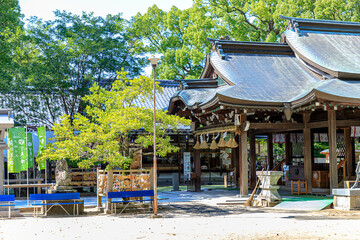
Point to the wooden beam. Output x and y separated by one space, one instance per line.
252 160
339 123
300 126
307 152
270 163
277 126
197 166
332 149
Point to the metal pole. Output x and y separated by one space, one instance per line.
155 161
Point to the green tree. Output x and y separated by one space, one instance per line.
179 36
10 27
103 134
256 20
59 61
246 20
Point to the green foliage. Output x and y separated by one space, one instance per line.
59 60
179 36
103 134
318 147
10 28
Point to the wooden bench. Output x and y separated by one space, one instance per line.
7 201
144 195
44 198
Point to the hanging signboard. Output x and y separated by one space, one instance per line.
42 139
11 162
19 148
30 150
187 166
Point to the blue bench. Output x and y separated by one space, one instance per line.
44 198
145 195
7 201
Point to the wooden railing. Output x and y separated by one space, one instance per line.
278 166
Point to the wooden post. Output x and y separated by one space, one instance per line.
353 156
332 149
197 165
349 148
98 197
243 164
235 160
307 152
288 150
109 188
252 160
270 163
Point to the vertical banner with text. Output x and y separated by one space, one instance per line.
11 162
30 150
19 148
42 143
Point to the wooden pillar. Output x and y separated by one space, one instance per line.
307 152
270 163
288 150
252 160
243 164
332 149
349 148
109 188
235 161
197 166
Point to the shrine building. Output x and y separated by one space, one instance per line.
301 90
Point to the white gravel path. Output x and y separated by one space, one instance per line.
190 221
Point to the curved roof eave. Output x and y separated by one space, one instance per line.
337 67
230 100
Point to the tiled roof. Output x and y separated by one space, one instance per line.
162 100
330 46
322 61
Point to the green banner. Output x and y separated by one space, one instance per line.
30 150
42 143
11 162
19 148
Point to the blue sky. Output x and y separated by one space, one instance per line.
44 8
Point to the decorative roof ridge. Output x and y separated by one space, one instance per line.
220 41
316 25
320 21
193 80
222 47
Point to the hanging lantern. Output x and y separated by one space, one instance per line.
197 144
213 144
221 143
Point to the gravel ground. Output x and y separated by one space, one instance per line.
189 220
